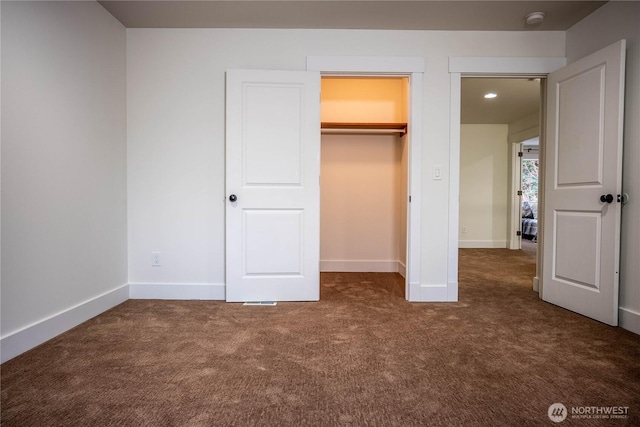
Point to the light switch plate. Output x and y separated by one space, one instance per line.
437 172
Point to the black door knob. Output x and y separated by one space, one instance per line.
606 198
233 198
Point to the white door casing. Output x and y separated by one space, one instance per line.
515 210
273 172
412 67
482 66
585 103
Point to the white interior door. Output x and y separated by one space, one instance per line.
584 162
273 186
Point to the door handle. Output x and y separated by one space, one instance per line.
233 198
606 198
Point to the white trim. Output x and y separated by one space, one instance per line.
402 269
452 291
536 284
414 68
360 266
470 65
629 320
478 244
515 201
432 292
365 64
414 185
454 183
25 339
178 291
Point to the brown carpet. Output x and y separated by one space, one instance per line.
361 356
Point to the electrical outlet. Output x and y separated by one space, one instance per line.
155 259
464 228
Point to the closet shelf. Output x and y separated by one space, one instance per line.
363 128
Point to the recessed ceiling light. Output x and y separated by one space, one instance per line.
534 18
490 95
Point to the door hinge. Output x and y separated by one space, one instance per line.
518 233
520 154
519 192
409 199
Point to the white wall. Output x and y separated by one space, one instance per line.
614 21
484 179
175 86
63 168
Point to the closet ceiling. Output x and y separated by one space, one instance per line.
363 14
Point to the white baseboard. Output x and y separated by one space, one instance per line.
629 320
402 269
482 244
178 291
433 292
360 266
536 284
25 339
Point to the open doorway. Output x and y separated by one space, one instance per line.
500 122
364 175
529 184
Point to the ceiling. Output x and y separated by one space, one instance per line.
368 14
517 98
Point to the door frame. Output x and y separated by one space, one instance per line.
413 68
490 67
515 201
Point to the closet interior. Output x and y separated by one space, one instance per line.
364 170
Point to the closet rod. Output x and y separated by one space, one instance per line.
364 128
364 131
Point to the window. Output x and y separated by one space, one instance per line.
530 180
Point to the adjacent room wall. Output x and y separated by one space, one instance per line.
525 128
610 23
176 123
64 250
484 179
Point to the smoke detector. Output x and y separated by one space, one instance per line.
534 18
